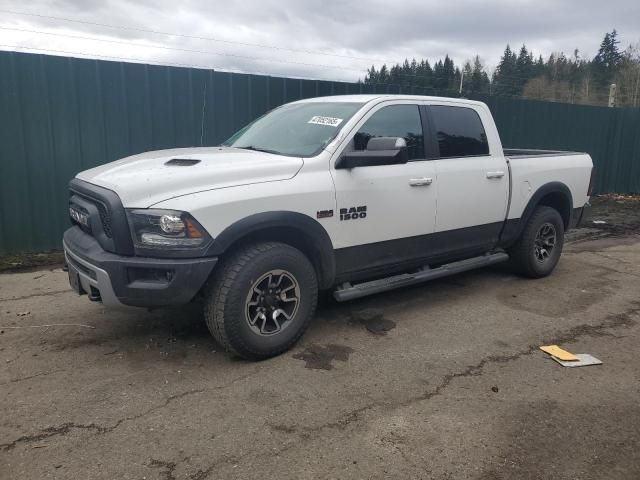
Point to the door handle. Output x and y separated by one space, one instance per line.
420 182
497 174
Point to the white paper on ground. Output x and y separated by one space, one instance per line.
584 360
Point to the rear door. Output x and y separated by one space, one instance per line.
472 179
386 213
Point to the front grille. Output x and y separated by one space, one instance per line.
105 216
108 218
105 219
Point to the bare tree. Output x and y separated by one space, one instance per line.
628 78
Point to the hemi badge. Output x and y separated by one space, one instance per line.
325 213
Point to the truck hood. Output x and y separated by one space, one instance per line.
146 179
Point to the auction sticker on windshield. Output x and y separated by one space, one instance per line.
330 121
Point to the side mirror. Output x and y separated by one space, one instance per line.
386 143
380 151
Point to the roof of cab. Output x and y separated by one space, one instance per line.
370 98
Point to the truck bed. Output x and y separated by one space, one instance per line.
530 170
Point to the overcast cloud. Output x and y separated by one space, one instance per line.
315 38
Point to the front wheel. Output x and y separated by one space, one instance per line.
261 300
537 251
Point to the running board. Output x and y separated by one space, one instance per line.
348 292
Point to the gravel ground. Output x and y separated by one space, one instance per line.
444 380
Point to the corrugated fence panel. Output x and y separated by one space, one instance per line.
627 154
598 131
61 115
15 209
39 158
136 78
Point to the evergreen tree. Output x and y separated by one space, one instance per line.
607 60
449 74
371 76
424 74
479 78
538 67
505 77
560 78
439 77
383 75
524 68
395 75
467 79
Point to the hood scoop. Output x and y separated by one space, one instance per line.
181 162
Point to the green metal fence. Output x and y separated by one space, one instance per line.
610 135
61 115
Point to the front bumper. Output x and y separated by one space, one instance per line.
133 281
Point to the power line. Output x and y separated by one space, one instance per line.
194 37
163 47
204 52
314 52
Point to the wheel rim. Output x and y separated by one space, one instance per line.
272 302
545 242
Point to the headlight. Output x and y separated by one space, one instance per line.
166 229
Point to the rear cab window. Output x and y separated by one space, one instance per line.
459 131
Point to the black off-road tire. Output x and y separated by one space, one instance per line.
233 280
525 258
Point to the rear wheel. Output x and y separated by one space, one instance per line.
261 300
537 251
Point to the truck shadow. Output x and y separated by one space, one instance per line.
180 334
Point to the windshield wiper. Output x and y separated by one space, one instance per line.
258 149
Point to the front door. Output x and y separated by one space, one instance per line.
386 213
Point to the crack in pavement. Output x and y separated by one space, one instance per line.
99 429
612 321
585 330
52 431
25 297
203 474
168 468
29 377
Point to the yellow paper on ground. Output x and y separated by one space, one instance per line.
557 352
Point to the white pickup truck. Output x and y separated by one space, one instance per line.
357 194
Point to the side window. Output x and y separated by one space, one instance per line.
459 131
394 121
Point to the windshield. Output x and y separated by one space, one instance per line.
299 129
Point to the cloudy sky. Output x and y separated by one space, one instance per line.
326 39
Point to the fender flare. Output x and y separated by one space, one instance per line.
513 228
546 189
314 234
